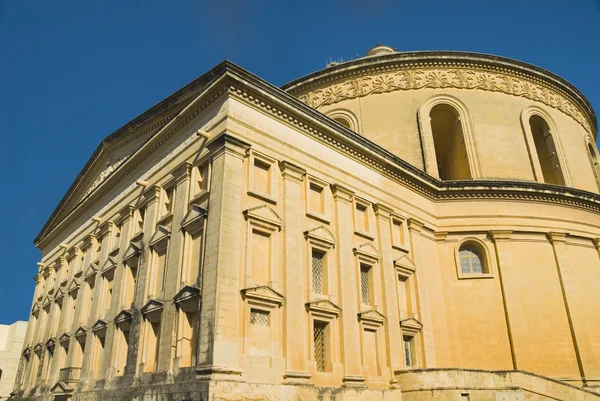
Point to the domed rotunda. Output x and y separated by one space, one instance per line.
403 226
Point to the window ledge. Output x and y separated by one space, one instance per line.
263 196
401 247
467 276
319 217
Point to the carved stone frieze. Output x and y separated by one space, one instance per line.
105 174
457 78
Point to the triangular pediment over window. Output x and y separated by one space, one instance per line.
410 326
152 306
367 251
324 307
194 218
123 316
64 337
372 316
36 307
133 250
320 235
38 347
99 325
80 332
264 215
162 233
405 266
59 294
46 301
186 293
91 270
61 388
110 264
263 293
73 285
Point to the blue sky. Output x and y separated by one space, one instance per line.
72 72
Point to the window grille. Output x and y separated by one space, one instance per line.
407 353
364 284
470 260
259 317
319 344
317 271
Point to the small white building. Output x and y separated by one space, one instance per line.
11 344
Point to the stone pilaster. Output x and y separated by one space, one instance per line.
584 351
389 282
503 259
348 285
295 328
415 231
181 176
220 325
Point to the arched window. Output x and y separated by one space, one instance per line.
593 154
449 142
346 118
546 151
448 139
472 260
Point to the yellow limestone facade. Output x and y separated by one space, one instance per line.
404 226
11 345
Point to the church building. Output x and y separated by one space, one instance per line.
408 226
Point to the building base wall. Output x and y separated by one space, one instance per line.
416 385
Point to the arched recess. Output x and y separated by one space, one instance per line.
448 139
592 152
346 118
473 259
543 144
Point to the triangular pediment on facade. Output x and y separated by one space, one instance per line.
38 347
410 326
186 293
367 251
161 234
99 325
64 337
263 293
320 235
47 301
194 218
91 270
50 343
36 307
405 266
152 306
59 294
371 316
265 216
73 285
27 351
61 388
133 250
109 265
324 307
80 332
123 316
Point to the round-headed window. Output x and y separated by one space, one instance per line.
471 259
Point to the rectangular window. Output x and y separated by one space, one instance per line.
108 290
98 358
140 215
201 179
316 199
318 271
122 349
194 253
152 342
408 352
159 271
361 216
365 291
261 257
259 317
320 345
168 198
130 281
262 177
187 338
370 351
397 232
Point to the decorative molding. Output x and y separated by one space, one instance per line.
405 266
367 252
323 307
442 78
186 293
291 171
371 317
263 215
321 235
411 326
104 174
263 294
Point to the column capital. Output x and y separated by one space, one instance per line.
556 237
125 214
106 228
291 171
227 143
415 225
152 194
440 236
341 193
382 211
596 242
500 235
182 172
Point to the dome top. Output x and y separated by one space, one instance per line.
379 50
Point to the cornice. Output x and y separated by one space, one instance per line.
443 69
